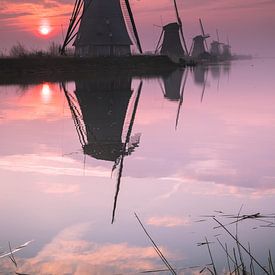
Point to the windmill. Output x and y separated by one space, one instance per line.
199 47
226 49
172 37
215 48
102 28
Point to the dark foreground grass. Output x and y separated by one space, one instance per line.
236 265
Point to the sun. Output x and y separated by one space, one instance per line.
44 30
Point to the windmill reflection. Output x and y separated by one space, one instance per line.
100 111
201 74
173 88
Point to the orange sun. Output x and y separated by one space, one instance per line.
44 30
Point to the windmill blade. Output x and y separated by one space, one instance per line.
74 22
161 87
191 48
133 25
203 34
218 37
158 44
181 98
75 116
202 29
204 86
75 13
124 150
180 25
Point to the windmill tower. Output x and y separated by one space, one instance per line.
200 47
172 38
102 28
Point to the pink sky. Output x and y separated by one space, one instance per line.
250 25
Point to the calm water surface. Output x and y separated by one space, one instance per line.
175 150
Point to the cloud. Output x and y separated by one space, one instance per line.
49 165
168 221
70 253
59 188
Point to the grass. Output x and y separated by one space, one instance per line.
234 261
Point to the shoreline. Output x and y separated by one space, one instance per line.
33 69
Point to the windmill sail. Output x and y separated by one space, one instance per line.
128 136
130 23
180 26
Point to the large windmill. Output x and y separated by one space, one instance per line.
172 38
102 28
199 47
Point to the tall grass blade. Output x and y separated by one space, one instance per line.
164 260
271 267
255 260
237 264
211 257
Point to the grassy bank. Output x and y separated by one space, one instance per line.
47 68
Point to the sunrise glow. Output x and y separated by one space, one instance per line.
46 93
44 30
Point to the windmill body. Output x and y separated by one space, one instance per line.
226 50
102 30
198 46
215 49
171 45
103 105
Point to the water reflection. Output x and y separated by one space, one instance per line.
46 93
99 109
220 157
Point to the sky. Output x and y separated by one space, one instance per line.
249 24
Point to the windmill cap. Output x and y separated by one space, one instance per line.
171 27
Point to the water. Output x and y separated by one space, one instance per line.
204 150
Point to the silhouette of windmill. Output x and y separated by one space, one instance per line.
102 28
172 37
199 48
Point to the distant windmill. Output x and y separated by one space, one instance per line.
215 49
172 38
199 46
226 49
102 28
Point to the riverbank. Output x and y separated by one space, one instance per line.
51 69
